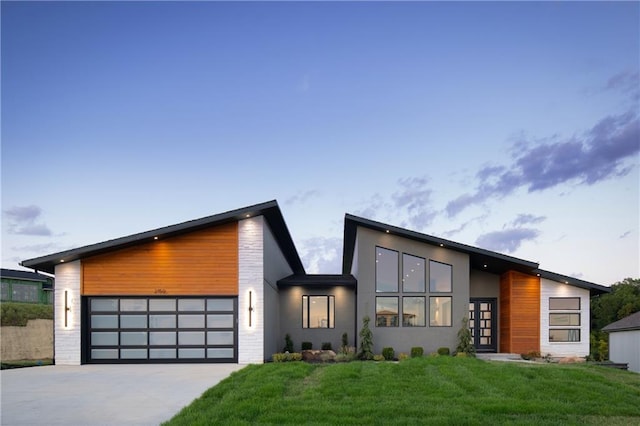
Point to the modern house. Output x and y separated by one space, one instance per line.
26 287
624 341
229 287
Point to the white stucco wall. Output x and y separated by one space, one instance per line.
251 279
624 346
549 288
67 339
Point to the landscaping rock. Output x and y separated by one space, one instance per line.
571 360
315 355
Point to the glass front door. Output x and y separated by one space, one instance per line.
483 320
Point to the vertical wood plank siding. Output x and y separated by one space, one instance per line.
203 262
519 313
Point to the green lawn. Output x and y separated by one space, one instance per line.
431 390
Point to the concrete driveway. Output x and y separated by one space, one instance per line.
124 394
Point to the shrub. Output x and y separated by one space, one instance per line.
286 357
461 355
402 356
443 351
417 352
345 340
326 346
307 346
347 354
465 340
366 340
388 353
378 358
16 313
288 343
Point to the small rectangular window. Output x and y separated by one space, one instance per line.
564 335
567 319
564 303
387 311
318 311
413 274
439 277
386 270
440 311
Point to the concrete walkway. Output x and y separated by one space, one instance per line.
104 394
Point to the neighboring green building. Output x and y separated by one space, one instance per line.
27 287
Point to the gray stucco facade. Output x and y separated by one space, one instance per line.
401 338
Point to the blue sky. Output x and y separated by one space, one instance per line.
509 126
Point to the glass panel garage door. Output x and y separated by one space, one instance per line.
162 329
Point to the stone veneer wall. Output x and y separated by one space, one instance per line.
33 341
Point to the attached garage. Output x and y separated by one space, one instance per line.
161 329
192 292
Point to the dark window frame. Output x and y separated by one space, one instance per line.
565 325
395 321
397 275
450 277
451 312
331 320
424 311
424 274
578 298
569 331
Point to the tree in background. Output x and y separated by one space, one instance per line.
623 301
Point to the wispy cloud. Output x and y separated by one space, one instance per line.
526 219
627 82
22 220
507 240
408 206
321 255
625 235
598 155
302 196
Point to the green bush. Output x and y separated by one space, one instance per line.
286 357
326 346
465 340
307 346
18 314
443 351
366 340
345 340
288 343
417 352
388 353
378 358
402 356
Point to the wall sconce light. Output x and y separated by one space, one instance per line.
250 308
67 308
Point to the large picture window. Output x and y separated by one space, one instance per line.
564 303
318 311
387 311
413 274
440 311
439 277
413 312
386 270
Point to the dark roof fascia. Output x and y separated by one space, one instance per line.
24 275
495 262
269 210
594 289
631 322
318 280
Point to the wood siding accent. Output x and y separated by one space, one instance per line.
519 312
203 262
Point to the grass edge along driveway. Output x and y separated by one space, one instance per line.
433 390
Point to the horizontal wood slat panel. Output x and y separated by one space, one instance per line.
203 262
520 313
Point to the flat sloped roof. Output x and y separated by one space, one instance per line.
480 259
318 280
24 275
270 210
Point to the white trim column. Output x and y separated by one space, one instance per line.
251 291
67 337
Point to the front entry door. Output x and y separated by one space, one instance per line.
483 320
